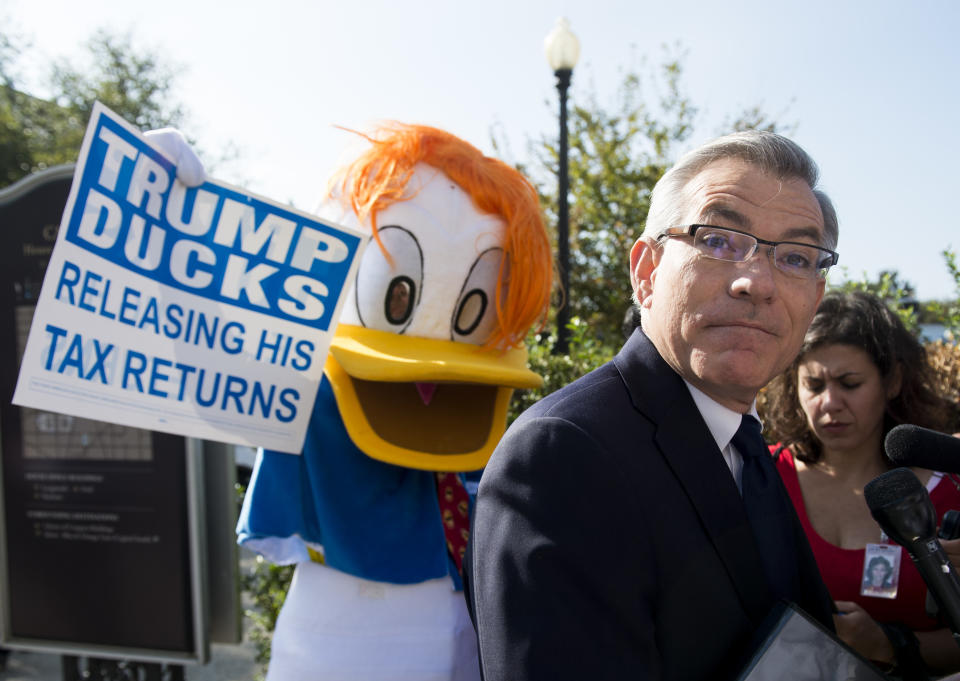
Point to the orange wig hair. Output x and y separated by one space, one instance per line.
379 177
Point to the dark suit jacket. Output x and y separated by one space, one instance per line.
610 540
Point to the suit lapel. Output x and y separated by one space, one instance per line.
691 453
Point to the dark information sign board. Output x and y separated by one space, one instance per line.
101 553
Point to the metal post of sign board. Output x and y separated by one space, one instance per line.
103 528
222 571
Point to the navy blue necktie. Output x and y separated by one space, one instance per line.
767 509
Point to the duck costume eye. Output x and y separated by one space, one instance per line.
475 317
430 346
387 293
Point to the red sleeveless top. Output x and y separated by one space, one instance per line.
842 569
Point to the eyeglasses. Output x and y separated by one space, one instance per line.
803 261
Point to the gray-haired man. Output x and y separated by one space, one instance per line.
611 537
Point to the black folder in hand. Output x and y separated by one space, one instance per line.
792 646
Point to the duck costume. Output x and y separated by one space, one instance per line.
421 368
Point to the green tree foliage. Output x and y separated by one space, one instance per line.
18 134
899 296
587 352
617 154
947 312
887 287
755 118
267 585
36 133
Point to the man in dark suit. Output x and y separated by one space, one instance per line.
611 537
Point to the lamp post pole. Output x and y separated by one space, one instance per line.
563 219
562 50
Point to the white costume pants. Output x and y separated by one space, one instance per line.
336 626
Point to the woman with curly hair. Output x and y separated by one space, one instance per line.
859 373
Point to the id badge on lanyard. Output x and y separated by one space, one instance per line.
881 570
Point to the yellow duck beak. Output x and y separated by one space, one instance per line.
423 403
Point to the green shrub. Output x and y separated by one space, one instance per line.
267 587
586 354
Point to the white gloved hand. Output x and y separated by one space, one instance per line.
172 142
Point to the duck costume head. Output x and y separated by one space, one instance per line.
430 343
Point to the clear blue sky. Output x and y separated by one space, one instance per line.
871 85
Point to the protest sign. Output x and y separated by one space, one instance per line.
205 312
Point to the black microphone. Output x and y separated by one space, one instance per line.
900 504
909 445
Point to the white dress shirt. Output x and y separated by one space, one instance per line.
723 424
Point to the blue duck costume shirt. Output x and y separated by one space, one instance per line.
374 520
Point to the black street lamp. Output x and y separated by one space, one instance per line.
562 49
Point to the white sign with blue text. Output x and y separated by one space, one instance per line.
205 312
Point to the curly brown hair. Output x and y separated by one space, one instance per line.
863 321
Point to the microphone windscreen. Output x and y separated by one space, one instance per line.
890 487
909 445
